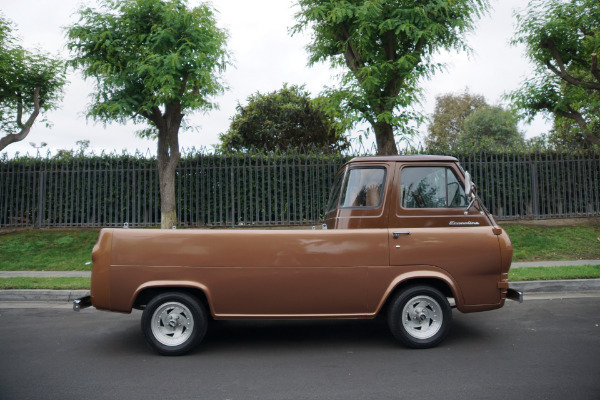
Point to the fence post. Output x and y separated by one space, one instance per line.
41 198
534 189
232 191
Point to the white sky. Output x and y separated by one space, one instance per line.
265 56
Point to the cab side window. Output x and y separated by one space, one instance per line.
334 194
431 187
363 187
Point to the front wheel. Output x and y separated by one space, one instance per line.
174 323
420 317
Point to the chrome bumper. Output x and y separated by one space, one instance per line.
513 294
81 303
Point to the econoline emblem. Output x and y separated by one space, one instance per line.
463 223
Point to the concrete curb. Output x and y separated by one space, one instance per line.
529 287
43 295
570 285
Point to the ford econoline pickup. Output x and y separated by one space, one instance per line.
403 236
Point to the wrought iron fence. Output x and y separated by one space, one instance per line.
537 185
267 188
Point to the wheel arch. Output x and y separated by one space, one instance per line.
439 281
152 289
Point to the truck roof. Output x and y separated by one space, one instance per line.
403 158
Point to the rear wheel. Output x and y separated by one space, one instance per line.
174 323
420 316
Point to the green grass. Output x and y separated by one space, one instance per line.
516 274
536 243
70 250
45 283
47 250
554 273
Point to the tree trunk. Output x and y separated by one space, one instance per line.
25 128
384 136
591 139
168 158
583 125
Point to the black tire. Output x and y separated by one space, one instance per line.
420 317
174 323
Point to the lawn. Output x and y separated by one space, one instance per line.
536 243
554 273
47 250
70 250
45 283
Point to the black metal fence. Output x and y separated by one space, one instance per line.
537 185
267 189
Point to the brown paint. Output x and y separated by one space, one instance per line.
346 271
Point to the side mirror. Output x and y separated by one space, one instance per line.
468 185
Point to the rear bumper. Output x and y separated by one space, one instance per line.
81 303
515 295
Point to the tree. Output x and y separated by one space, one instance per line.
283 119
31 84
449 116
386 46
566 133
490 126
153 62
562 39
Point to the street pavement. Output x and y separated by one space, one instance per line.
541 349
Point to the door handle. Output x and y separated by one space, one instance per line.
397 234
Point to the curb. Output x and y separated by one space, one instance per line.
570 285
527 287
52 296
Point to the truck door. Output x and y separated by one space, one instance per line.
428 227
362 202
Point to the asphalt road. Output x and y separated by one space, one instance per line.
541 349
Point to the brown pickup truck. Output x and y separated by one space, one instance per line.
405 236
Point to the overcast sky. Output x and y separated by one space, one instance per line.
265 56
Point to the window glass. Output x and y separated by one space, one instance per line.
335 193
431 187
363 187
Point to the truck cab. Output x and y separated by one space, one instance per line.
402 192
433 218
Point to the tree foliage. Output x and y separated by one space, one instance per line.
385 47
31 83
490 127
153 62
562 39
448 118
284 119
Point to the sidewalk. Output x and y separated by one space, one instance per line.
589 286
88 274
554 263
45 274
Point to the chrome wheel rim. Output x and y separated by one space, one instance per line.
422 317
172 323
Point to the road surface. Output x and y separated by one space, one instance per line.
541 349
